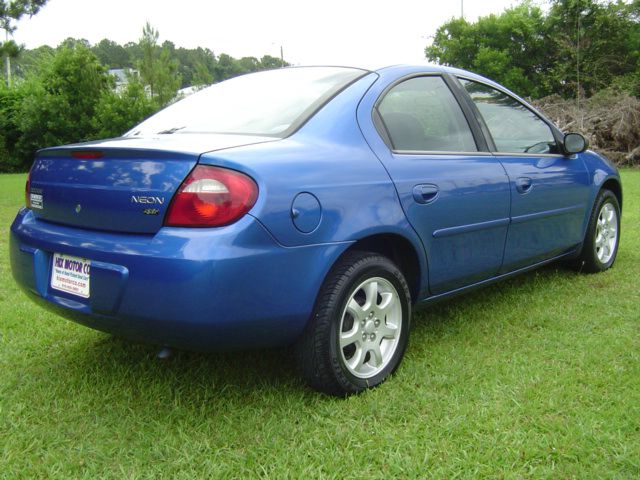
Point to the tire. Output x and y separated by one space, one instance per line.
353 341
601 241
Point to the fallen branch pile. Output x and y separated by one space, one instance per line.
611 122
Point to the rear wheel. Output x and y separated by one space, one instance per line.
603 234
359 330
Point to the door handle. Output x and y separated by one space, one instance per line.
524 184
425 193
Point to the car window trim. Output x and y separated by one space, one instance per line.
477 116
378 121
381 128
523 154
442 152
555 131
460 94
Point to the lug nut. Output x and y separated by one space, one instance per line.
373 337
377 323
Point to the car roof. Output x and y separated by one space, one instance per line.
402 69
407 69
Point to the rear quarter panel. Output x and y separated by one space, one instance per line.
330 159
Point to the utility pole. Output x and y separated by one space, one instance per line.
281 57
462 9
7 60
578 68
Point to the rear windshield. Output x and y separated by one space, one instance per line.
265 103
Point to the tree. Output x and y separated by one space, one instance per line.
69 97
579 46
33 61
10 12
112 54
58 106
227 67
202 76
593 43
116 113
11 101
249 64
267 62
157 68
9 50
196 66
511 48
134 51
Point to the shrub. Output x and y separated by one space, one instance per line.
118 112
69 99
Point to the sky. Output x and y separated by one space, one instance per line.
361 33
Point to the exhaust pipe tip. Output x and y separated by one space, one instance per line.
164 353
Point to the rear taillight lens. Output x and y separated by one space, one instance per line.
27 188
211 197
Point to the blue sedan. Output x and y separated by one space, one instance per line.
313 206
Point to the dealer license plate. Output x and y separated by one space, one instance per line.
71 274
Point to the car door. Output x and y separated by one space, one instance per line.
549 191
455 195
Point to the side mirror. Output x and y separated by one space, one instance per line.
575 143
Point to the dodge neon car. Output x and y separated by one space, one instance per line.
310 206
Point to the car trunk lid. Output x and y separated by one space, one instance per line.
120 185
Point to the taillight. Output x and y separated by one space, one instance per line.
211 197
27 188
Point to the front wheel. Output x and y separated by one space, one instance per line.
359 330
603 234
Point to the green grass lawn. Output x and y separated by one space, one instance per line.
534 377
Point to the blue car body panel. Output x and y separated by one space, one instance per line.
97 193
601 171
172 287
547 217
465 227
331 184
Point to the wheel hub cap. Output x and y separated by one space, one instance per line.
370 327
606 233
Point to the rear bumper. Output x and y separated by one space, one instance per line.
197 289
